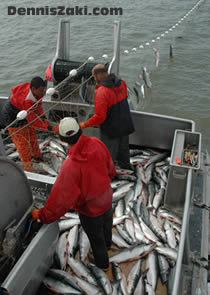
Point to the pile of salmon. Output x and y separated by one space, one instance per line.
145 237
53 153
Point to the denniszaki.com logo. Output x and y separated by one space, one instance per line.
63 10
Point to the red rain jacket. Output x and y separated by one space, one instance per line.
22 99
83 183
104 98
112 110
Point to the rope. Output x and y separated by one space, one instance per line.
105 56
163 34
38 117
67 79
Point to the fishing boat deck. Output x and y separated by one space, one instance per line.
157 131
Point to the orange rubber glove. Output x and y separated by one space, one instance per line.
83 125
55 129
35 214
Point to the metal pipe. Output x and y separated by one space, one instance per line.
184 229
63 44
115 63
185 220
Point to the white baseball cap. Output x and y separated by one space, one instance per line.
68 127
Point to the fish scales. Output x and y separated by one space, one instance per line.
152 273
59 287
164 267
118 220
56 152
116 271
151 191
124 235
72 240
148 173
56 163
63 276
115 287
148 232
120 208
81 270
87 287
146 78
122 191
101 278
139 234
48 169
132 254
168 252
57 146
135 152
162 174
119 241
119 276
129 227
118 183
171 238
84 244
68 223
158 198
156 158
157 228
137 189
134 276
61 251
140 288
163 213
149 289
128 200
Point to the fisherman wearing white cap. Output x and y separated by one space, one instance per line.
83 184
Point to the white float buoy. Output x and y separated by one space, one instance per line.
91 58
134 49
141 46
126 51
21 115
50 91
73 73
105 56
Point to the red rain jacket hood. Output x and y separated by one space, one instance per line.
22 99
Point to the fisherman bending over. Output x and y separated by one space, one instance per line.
112 113
83 184
23 97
